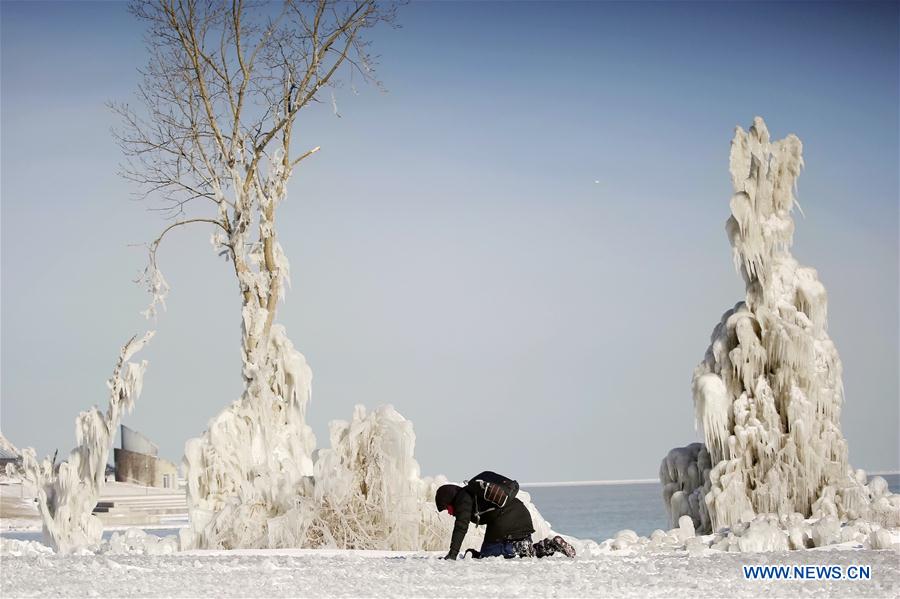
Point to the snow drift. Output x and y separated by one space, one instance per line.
768 394
68 493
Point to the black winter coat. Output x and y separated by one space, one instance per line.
511 523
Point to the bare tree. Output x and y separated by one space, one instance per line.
222 91
214 137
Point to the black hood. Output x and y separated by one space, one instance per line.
445 496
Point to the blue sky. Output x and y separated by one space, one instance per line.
527 227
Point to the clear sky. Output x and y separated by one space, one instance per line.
520 245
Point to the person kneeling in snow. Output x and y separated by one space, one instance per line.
489 499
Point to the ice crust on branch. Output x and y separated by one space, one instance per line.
251 463
364 492
68 493
367 492
768 394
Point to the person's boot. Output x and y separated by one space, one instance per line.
524 548
563 546
542 548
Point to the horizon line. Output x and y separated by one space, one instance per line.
589 483
643 481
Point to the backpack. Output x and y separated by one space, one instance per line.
492 490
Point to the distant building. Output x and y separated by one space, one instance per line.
8 454
138 462
9 457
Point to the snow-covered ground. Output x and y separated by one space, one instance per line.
322 573
125 566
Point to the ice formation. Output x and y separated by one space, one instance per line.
68 493
140 542
369 494
254 479
364 492
768 394
762 532
252 462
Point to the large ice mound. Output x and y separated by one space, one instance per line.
768 394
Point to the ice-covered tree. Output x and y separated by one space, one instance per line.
214 135
368 493
768 394
68 493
